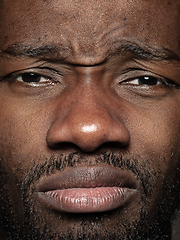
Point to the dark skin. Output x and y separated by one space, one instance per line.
106 80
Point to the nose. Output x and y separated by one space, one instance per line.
87 122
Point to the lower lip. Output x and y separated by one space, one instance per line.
86 200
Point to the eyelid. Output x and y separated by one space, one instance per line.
135 73
134 81
50 74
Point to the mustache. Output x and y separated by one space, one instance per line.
140 167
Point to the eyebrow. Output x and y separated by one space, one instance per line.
59 52
50 51
143 51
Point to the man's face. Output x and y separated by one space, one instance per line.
89 118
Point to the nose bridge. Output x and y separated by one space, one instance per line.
89 111
89 115
88 122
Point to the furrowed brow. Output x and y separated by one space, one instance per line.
51 51
55 52
144 52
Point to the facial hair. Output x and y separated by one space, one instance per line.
92 226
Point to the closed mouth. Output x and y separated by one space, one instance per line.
86 189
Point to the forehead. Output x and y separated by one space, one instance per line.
90 25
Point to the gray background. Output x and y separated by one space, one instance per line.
176 228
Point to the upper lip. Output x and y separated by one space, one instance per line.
88 177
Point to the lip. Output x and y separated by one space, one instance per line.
86 189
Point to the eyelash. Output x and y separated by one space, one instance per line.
147 81
38 78
33 77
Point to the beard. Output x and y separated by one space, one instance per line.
125 223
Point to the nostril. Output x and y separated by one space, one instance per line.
68 146
114 145
62 146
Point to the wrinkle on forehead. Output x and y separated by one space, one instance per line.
90 25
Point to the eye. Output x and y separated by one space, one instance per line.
31 78
146 80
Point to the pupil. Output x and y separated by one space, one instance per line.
31 77
148 81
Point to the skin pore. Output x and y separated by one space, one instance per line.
91 86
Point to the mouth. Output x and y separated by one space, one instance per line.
87 189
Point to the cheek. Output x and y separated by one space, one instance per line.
22 144
155 133
157 124
22 136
